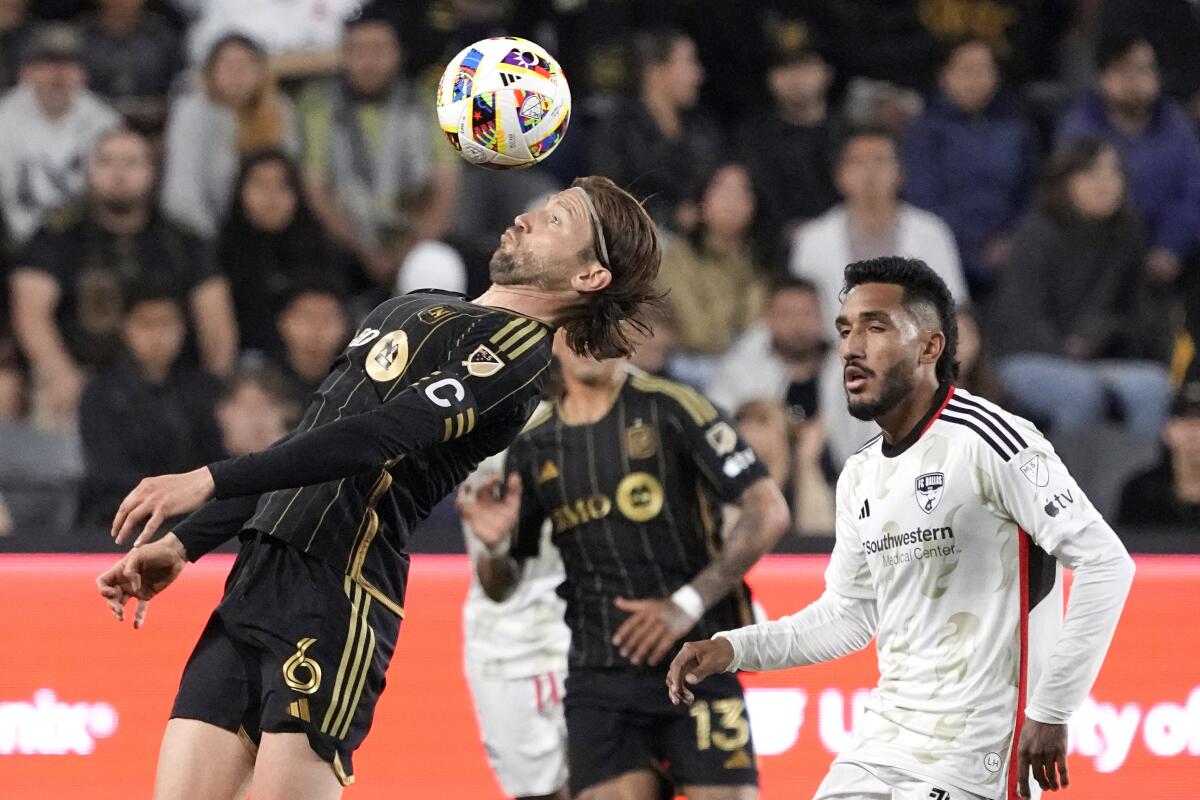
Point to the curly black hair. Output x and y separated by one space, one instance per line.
921 285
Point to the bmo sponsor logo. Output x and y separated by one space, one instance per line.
48 726
1106 733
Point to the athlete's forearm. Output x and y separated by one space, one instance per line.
1103 573
763 519
214 523
340 449
498 575
831 627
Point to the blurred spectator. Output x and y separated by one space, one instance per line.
970 158
791 450
373 173
256 409
713 285
313 330
872 103
1074 319
15 29
69 283
270 240
146 414
871 222
780 357
1173 27
790 149
132 57
238 110
48 125
432 265
663 147
1157 143
14 384
976 366
301 35
1169 494
653 349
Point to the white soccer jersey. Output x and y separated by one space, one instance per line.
947 549
951 534
525 634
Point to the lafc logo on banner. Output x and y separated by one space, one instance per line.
483 363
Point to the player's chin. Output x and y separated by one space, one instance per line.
860 406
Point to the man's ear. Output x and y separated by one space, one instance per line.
934 347
592 277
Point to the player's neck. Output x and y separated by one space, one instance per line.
1187 478
584 403
899 421
539 304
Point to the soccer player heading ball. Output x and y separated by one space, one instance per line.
282 686
949 527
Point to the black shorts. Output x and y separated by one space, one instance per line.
293 646
621 719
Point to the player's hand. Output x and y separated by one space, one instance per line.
155 500
653 627
489 516
695 662
142 573
1043 749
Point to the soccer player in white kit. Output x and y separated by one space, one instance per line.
952 529
515 659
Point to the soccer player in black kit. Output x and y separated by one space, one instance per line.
632 472
283 682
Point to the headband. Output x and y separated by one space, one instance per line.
591 207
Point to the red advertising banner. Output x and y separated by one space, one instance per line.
83 699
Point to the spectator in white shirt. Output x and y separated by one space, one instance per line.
872 222
48 125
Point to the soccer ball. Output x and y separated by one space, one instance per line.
504 103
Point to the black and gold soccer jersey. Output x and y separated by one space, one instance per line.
635 502
429 387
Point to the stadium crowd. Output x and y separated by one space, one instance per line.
200 199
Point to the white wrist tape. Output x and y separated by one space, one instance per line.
689 601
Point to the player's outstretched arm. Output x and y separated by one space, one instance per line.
655 625
695 662
491 518
141 574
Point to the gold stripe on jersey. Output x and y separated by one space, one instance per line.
365 669
359 557
346 702
317 527
459 421
470 420
500 334
528 343
520 334
697 406
535 376
340 771
354 593
449 429
412 356
247 741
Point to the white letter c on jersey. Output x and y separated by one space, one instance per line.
431 391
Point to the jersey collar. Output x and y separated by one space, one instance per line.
940 399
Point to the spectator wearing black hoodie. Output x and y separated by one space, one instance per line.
1077 325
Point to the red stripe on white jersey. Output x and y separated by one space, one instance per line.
1023 541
